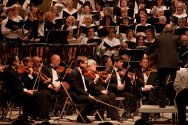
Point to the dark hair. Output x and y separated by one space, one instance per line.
80 59
40 12
117 59
103 21
11 59
105 59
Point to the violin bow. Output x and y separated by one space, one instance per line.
67 71
38 78
110 78
97 100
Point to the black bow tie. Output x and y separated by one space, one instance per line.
53 67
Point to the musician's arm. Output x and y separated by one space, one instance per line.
74 84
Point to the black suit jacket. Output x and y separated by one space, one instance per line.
47 26
13 80
47 71
76 83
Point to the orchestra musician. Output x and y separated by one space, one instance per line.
98 85
53 86
149 92
27 75
79 89
34 103
119 86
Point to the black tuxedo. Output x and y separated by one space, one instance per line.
47 26
79 95
110 98
58 97
77 86
35 105
130 97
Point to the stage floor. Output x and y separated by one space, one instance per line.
71 120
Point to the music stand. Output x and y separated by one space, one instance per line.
55 36
135 54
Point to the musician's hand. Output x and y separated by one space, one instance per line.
109 75
104 92
121 86
47 81
30 92
96 77
92 97
145 89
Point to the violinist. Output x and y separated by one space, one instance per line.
107 61
37 64
53 86
34 103
148 92
142 73
118 84
98 89
27 72
79 89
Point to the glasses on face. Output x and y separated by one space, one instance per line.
39 61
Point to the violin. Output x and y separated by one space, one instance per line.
60 69
42 76
103 75
23 69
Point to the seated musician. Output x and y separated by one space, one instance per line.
98 83
118 86
34 103
147 90
107 62
53 85
26 72
79 89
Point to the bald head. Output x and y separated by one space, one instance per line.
168 28
55 60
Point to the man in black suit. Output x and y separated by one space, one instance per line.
41 28
34 103
167 62
118 86
79 89
53 85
